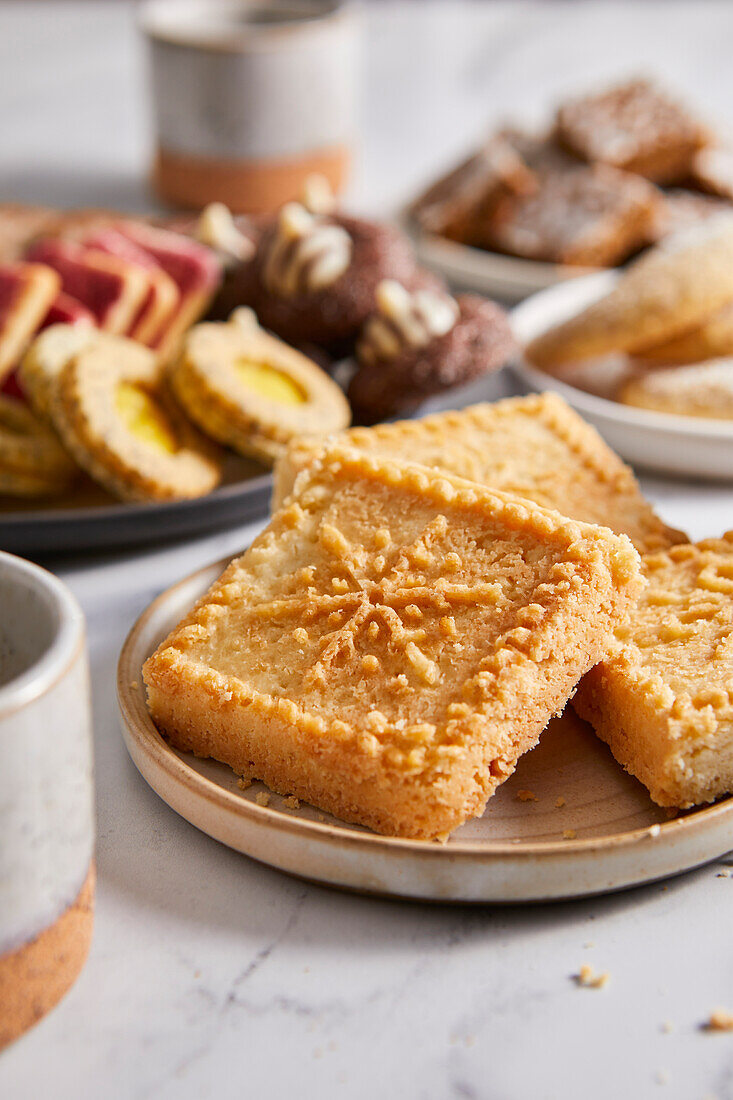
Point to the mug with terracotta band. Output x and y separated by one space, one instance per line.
250 98
46 796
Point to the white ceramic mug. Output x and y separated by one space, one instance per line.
46 794
250 97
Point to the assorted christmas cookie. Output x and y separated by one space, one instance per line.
32 461
249 390
314 273
112 409
47 356
418 344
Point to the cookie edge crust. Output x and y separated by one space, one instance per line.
552 411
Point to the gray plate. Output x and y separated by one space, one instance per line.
90 519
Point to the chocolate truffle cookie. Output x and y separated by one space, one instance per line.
313 276
417 345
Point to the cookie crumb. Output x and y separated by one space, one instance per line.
667 1027
720 1020
134 684
589 944
559 802
243 783
661 1077
725 873
291 802
262 798
321 817
588 979
526 796
655 830
569 834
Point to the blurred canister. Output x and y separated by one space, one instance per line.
46 795
250 98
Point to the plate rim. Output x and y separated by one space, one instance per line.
132 508
138 728
624 415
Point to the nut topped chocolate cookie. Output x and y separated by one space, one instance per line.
418 344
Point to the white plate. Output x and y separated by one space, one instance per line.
669 444
506 277
515 852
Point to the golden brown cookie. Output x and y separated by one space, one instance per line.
113 412
32 460
668 291
249 390
662 701
701 389
44 360
711 340
535 447
392 643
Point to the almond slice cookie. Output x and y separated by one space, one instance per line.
249 390
663 700
112 410
32 461
535 446
672 289
701 389
392 643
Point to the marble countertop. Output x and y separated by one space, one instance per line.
211 975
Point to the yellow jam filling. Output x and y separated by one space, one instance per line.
143 416
268 382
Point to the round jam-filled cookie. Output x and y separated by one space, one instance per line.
44 360
251 391
672 289
112 409
313 277
702 389
417 345
32 461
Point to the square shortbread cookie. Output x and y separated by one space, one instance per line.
663 700
536 447
392 643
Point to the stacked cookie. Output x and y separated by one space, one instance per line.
617 170
671 315
352 288
427 595
308 283
147 430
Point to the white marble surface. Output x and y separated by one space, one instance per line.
211 976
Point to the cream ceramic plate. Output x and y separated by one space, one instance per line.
506 277
520 850
683 445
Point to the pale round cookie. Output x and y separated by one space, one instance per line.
711 340
114 413
32 460
249 390
703 389
45 359
670 290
